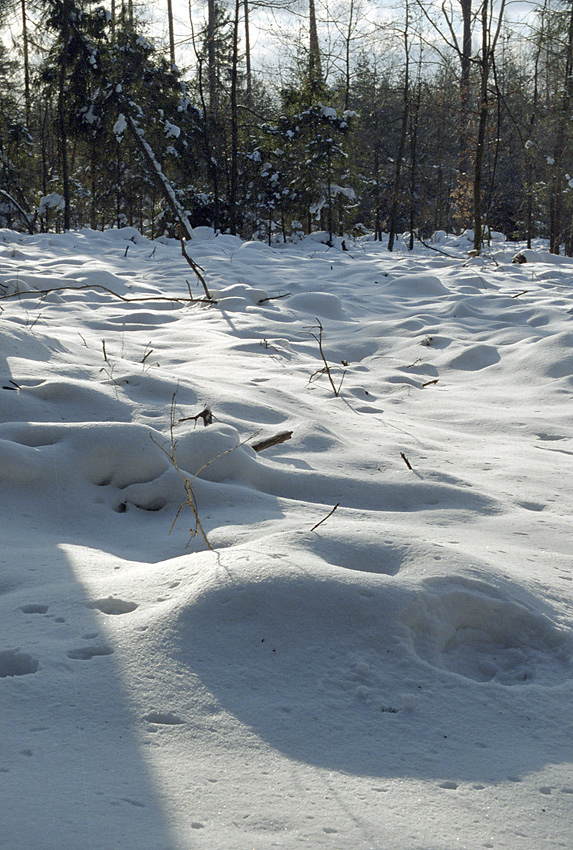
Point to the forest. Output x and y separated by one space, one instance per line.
410 119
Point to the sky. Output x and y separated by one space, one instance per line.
271 29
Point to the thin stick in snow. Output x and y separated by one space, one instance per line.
326 517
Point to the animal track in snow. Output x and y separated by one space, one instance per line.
14 662
113 606
471 629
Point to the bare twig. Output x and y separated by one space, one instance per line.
148 352
406 461
187 482
326 368
430 383
326 517
272 298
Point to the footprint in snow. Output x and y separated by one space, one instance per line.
111 605
14 662
163 718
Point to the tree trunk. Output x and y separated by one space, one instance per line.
27 105
482 126
248 74
314 66
234 124
413 159
557 183
392 224
62 123
465 65
171 32
488 45
347 56
211 58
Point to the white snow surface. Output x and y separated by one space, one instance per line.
398 677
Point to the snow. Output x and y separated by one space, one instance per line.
52 201
398 675
172 131
328 112
120 125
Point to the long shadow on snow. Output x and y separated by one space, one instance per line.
448 679
70 755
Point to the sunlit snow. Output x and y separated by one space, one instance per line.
377 651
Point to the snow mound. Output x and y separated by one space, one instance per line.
238 297
417 286
324 305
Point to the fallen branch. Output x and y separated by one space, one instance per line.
44 292
29 219
282 437
326 517
432 248
430 383
205 415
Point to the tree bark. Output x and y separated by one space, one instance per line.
62 123
171 32
248 73
314 65
403 136
27 104
557 183
234 125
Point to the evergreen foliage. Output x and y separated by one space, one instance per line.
370 149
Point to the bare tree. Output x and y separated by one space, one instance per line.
491 23
233 181
393 218
557 182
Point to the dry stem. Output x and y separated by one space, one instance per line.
326 368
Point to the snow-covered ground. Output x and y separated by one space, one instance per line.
397 677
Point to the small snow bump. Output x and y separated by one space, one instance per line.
131 802
163 718
85 653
